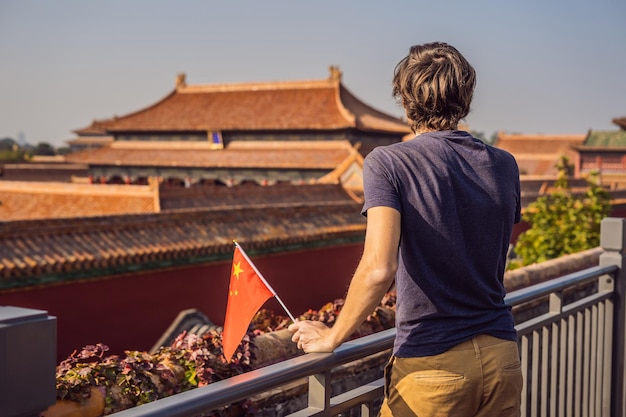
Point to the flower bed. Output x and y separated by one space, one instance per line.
90 383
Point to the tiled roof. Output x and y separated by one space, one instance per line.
349 174
295 105
30 171
91 141
534 186
536 144
37 251
27 200
250 194
535 165
299 155
537 154
21 200
606 139
367 118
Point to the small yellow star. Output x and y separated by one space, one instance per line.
237 269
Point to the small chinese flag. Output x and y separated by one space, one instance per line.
247 293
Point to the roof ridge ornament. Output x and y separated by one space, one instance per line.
181 80
335 73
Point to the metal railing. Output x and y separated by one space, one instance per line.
566 352
571 345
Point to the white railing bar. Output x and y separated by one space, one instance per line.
536 291
567 310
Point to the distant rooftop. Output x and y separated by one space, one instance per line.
606 139
287 105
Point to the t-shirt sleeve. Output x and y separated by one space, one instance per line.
518 211
518 208
379 186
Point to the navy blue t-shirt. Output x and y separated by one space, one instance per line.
458 199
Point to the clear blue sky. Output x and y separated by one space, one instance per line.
555 66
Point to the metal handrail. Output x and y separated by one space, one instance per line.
242 386
534 292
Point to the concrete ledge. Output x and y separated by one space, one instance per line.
554 268
274 347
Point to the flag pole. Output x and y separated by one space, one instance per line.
243 252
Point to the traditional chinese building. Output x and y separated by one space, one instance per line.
276 166
537 154
231 133
605 152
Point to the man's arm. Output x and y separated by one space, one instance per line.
370 282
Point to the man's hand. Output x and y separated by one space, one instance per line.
371 280
312 336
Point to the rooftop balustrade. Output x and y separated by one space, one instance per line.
572 345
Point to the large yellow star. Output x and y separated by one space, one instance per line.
237 269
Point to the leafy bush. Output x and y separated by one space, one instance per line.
562 222
190 361
140 377
383 317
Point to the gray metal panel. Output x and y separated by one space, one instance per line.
27 361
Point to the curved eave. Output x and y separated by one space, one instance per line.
308 105
368 118
620 121
102 127
314 107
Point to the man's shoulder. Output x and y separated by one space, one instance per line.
382 151
501 152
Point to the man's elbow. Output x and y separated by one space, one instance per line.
382 276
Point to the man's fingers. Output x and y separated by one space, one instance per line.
295 326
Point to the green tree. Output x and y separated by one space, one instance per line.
562 222
44 148
12 156
64 150
479 134
8 144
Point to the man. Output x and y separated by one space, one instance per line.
440 211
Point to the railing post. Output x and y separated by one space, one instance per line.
319 391
613 241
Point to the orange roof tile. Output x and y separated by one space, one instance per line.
48 172
539 143
251 195
91 141
349 174
537 154
300 155
290 105
21 200
39 251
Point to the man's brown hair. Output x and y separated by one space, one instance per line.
435 84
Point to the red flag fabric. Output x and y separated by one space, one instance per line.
246 294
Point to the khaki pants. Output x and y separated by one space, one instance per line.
481 377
